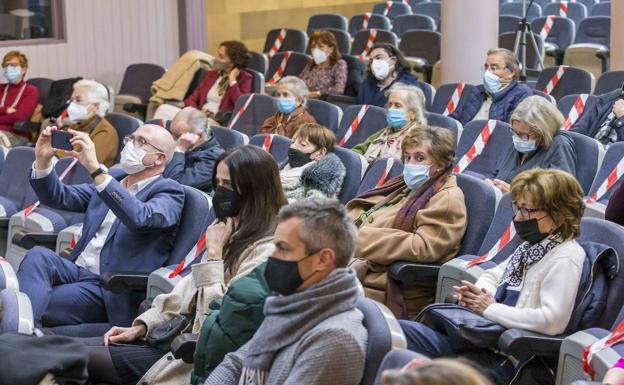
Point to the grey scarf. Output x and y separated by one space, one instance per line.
288 318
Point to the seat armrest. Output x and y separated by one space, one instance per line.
343 99
26 126
523 344
183 347
603 53
28 239
135 108
4 222
120 281
410 273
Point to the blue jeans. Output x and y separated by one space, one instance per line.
61 292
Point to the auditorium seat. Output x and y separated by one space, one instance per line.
546 96
508 40
375 21
577 11
124 125
508 23
324 21
566 103
609 81
573 81
295 64
17 314
372 121
229 138
275 145
589 156
295 40
445 92
498 145
591 48
326 114
439 120
429 8
559 38
613 156
404 23
379 172
258 62
257 81
397 359
516 9
600 9
397 8
258 110
136 84
360 40
421 49
355 165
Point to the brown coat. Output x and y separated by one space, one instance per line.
104 137
438 230
281 124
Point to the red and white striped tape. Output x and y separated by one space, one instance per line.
195 252
279 40
552 83
454 101
268 141
563 8
59 121
372 35
365 21
550 20
72 243
507 236
354 125
384 176
28 210
241 111
280 69
389 6
477 147
576 111
616 336
608 183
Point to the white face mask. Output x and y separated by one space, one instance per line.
380 69
319 56
77 112
131 160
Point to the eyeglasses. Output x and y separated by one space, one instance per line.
521 136
139 142
524 211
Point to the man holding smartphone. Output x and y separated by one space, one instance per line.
605 120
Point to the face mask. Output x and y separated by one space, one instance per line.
12 73
396 117
415 175
529 231
298 158
491 82
219 65
380 69
319 55
523 145
283 276
286 105
77 112
226 203
131 160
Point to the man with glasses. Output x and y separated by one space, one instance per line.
129 226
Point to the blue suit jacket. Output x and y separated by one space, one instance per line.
140 239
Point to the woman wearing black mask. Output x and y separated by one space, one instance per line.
535 288
247 197
312 168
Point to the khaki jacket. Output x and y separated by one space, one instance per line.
104 137
438 230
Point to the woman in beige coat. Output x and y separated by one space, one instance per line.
419 216
246 201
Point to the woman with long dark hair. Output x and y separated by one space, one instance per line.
247 197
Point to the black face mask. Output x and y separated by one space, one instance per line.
283 276
529 231
297 158
226 203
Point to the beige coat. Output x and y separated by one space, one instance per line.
286 125
192 295
438 230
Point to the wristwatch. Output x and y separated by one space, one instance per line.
100 170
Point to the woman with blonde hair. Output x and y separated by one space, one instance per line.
436 372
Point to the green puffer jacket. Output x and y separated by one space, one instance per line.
233 321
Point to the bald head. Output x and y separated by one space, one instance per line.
191 120
158 137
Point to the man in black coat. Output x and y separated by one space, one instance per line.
605 120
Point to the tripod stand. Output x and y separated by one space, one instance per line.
520 46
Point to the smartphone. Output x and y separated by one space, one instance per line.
60 140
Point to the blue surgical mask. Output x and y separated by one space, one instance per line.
491 82
415 175
523 145
396 117
12 73
286 105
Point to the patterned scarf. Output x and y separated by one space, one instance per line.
606 133
223 84
523 257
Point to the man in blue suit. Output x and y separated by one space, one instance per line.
130 226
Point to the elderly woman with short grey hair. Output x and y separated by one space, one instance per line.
538 141
405 110
291 95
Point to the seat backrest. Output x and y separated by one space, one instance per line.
503 217
138 79
326 20
379 338
609 81
361 38
573 81
601 9
561 33
58 97
326 114
439 120
257 81
258 110
43 86
544 95
576 10
198 77
342 38
445 92
516 8
228 138
404 23
566 103
589 156
372 121
277 145
421 44
197 215
257 62
353 177
164 123
508 23
429 8
294 66
375 22
497 147
613 156
14 184
595 30
480 200
392 9
355 75
378 173
507 40
124 125
396 359
295 40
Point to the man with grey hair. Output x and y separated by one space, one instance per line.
196 150
312 332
